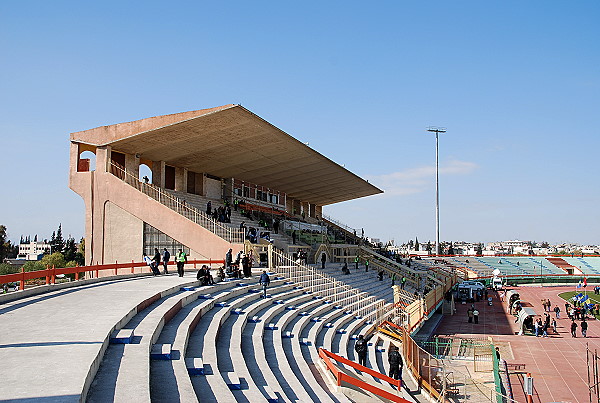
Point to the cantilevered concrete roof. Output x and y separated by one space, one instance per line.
232 142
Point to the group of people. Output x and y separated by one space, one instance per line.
541 327
241 266
473 314
155 262
221 213
394 356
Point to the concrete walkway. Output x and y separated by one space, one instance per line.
51 344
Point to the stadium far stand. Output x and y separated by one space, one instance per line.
118 334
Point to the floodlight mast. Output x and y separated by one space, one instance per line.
437 131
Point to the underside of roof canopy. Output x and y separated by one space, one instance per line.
232 142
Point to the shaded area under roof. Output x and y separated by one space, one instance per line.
232 142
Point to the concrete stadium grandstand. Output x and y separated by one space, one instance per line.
271 299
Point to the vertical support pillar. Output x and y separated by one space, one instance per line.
158 173
270 257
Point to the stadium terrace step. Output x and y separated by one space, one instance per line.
254 349
173 375
229 344
79 318
125 370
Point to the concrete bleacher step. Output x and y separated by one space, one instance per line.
161 352
124 365
174 375
122 336
195 366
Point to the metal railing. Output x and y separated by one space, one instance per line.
325 286
178 205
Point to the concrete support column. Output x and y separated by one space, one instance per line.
270 256
103 158
132 164
319 211
181 179
312 211
158 173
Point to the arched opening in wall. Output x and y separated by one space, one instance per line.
145 173
86 162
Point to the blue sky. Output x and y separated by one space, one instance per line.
515 83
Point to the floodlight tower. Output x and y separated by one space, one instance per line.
437 131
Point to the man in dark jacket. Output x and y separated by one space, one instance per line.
396 363
361 349
166 258
156 262
228 260
323 260
264 281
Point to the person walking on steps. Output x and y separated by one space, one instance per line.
396 364
361 349
356 263
366 265
181 260
264 282
166 257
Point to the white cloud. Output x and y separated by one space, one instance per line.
416 180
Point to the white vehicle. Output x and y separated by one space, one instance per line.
497 283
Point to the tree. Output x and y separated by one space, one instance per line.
70 250
545 244
80 255
3 236
479 249
451 249
416 243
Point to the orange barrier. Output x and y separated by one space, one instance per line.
51 273
340 376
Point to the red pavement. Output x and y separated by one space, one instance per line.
557 363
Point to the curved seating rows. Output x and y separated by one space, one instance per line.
252 349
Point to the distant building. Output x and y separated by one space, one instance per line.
33 250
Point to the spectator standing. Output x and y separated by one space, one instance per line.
557 312
156 261
264 282
361 349
470 314
356 263
228 259
403 284
181 260
246 265
573 329
584 327
165 258
209 208
323 260
366 265
476 315
396 363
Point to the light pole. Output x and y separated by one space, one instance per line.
437 131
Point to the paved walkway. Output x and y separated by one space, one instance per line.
49 342
557 363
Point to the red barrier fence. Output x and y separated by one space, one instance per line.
341 376
51 273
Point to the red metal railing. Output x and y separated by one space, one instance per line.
341 376
51 273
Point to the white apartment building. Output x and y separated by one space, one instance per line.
32 250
